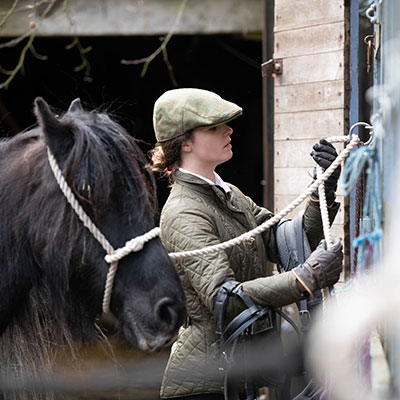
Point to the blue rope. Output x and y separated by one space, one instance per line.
369 240
354 166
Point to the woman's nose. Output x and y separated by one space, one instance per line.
229 130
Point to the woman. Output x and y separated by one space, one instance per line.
202 210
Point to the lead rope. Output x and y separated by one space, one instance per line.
328 238
277 217
113 256
324 209
136 244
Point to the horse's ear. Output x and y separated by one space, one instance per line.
75 106
53 129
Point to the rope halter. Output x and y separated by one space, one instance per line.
113 256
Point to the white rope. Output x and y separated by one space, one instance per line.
277 217
113 256
322 195
325 216
136 244
324 210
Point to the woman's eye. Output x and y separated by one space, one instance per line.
214 128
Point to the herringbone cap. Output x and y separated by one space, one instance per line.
180 110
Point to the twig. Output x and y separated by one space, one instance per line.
9 12
85 64
67 13
36 54
20 62
27 7
147 60
84 61
28 45
170 68
5 71
14 42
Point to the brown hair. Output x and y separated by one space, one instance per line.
166 156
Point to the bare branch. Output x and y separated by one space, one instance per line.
151 57
31 34
67 13
85 65
37 55
5 71
9 12
20 62
14 42
27 7
170 68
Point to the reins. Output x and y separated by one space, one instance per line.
136 244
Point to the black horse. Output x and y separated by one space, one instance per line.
52 269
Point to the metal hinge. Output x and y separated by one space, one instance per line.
272 67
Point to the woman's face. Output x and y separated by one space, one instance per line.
211 146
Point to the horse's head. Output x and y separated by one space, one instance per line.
106 172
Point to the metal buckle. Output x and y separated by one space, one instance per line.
305 317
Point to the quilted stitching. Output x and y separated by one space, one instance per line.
197 215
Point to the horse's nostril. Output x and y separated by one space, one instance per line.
165 311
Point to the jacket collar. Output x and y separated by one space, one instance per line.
181 176
184 178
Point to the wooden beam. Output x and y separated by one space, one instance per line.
127 17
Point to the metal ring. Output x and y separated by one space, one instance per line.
367 126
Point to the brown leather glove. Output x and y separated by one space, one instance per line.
321 269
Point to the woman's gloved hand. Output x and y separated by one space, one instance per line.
321 269
324 154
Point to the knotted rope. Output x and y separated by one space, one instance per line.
136 244
113 256
277 217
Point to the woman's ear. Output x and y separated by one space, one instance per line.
186 147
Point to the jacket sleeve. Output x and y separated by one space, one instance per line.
261 214
312 225
182 231
312 221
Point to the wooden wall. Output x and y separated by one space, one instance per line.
310 97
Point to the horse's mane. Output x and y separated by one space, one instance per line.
100 160
53 270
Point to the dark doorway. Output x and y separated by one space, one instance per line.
227 64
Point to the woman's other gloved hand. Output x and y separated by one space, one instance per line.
321 269
324 154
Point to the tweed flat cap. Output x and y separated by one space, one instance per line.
180 110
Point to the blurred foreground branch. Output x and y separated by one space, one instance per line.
47 6
31 33
147 60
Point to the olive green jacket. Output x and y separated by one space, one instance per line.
197 215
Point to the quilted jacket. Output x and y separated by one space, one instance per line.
197 215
